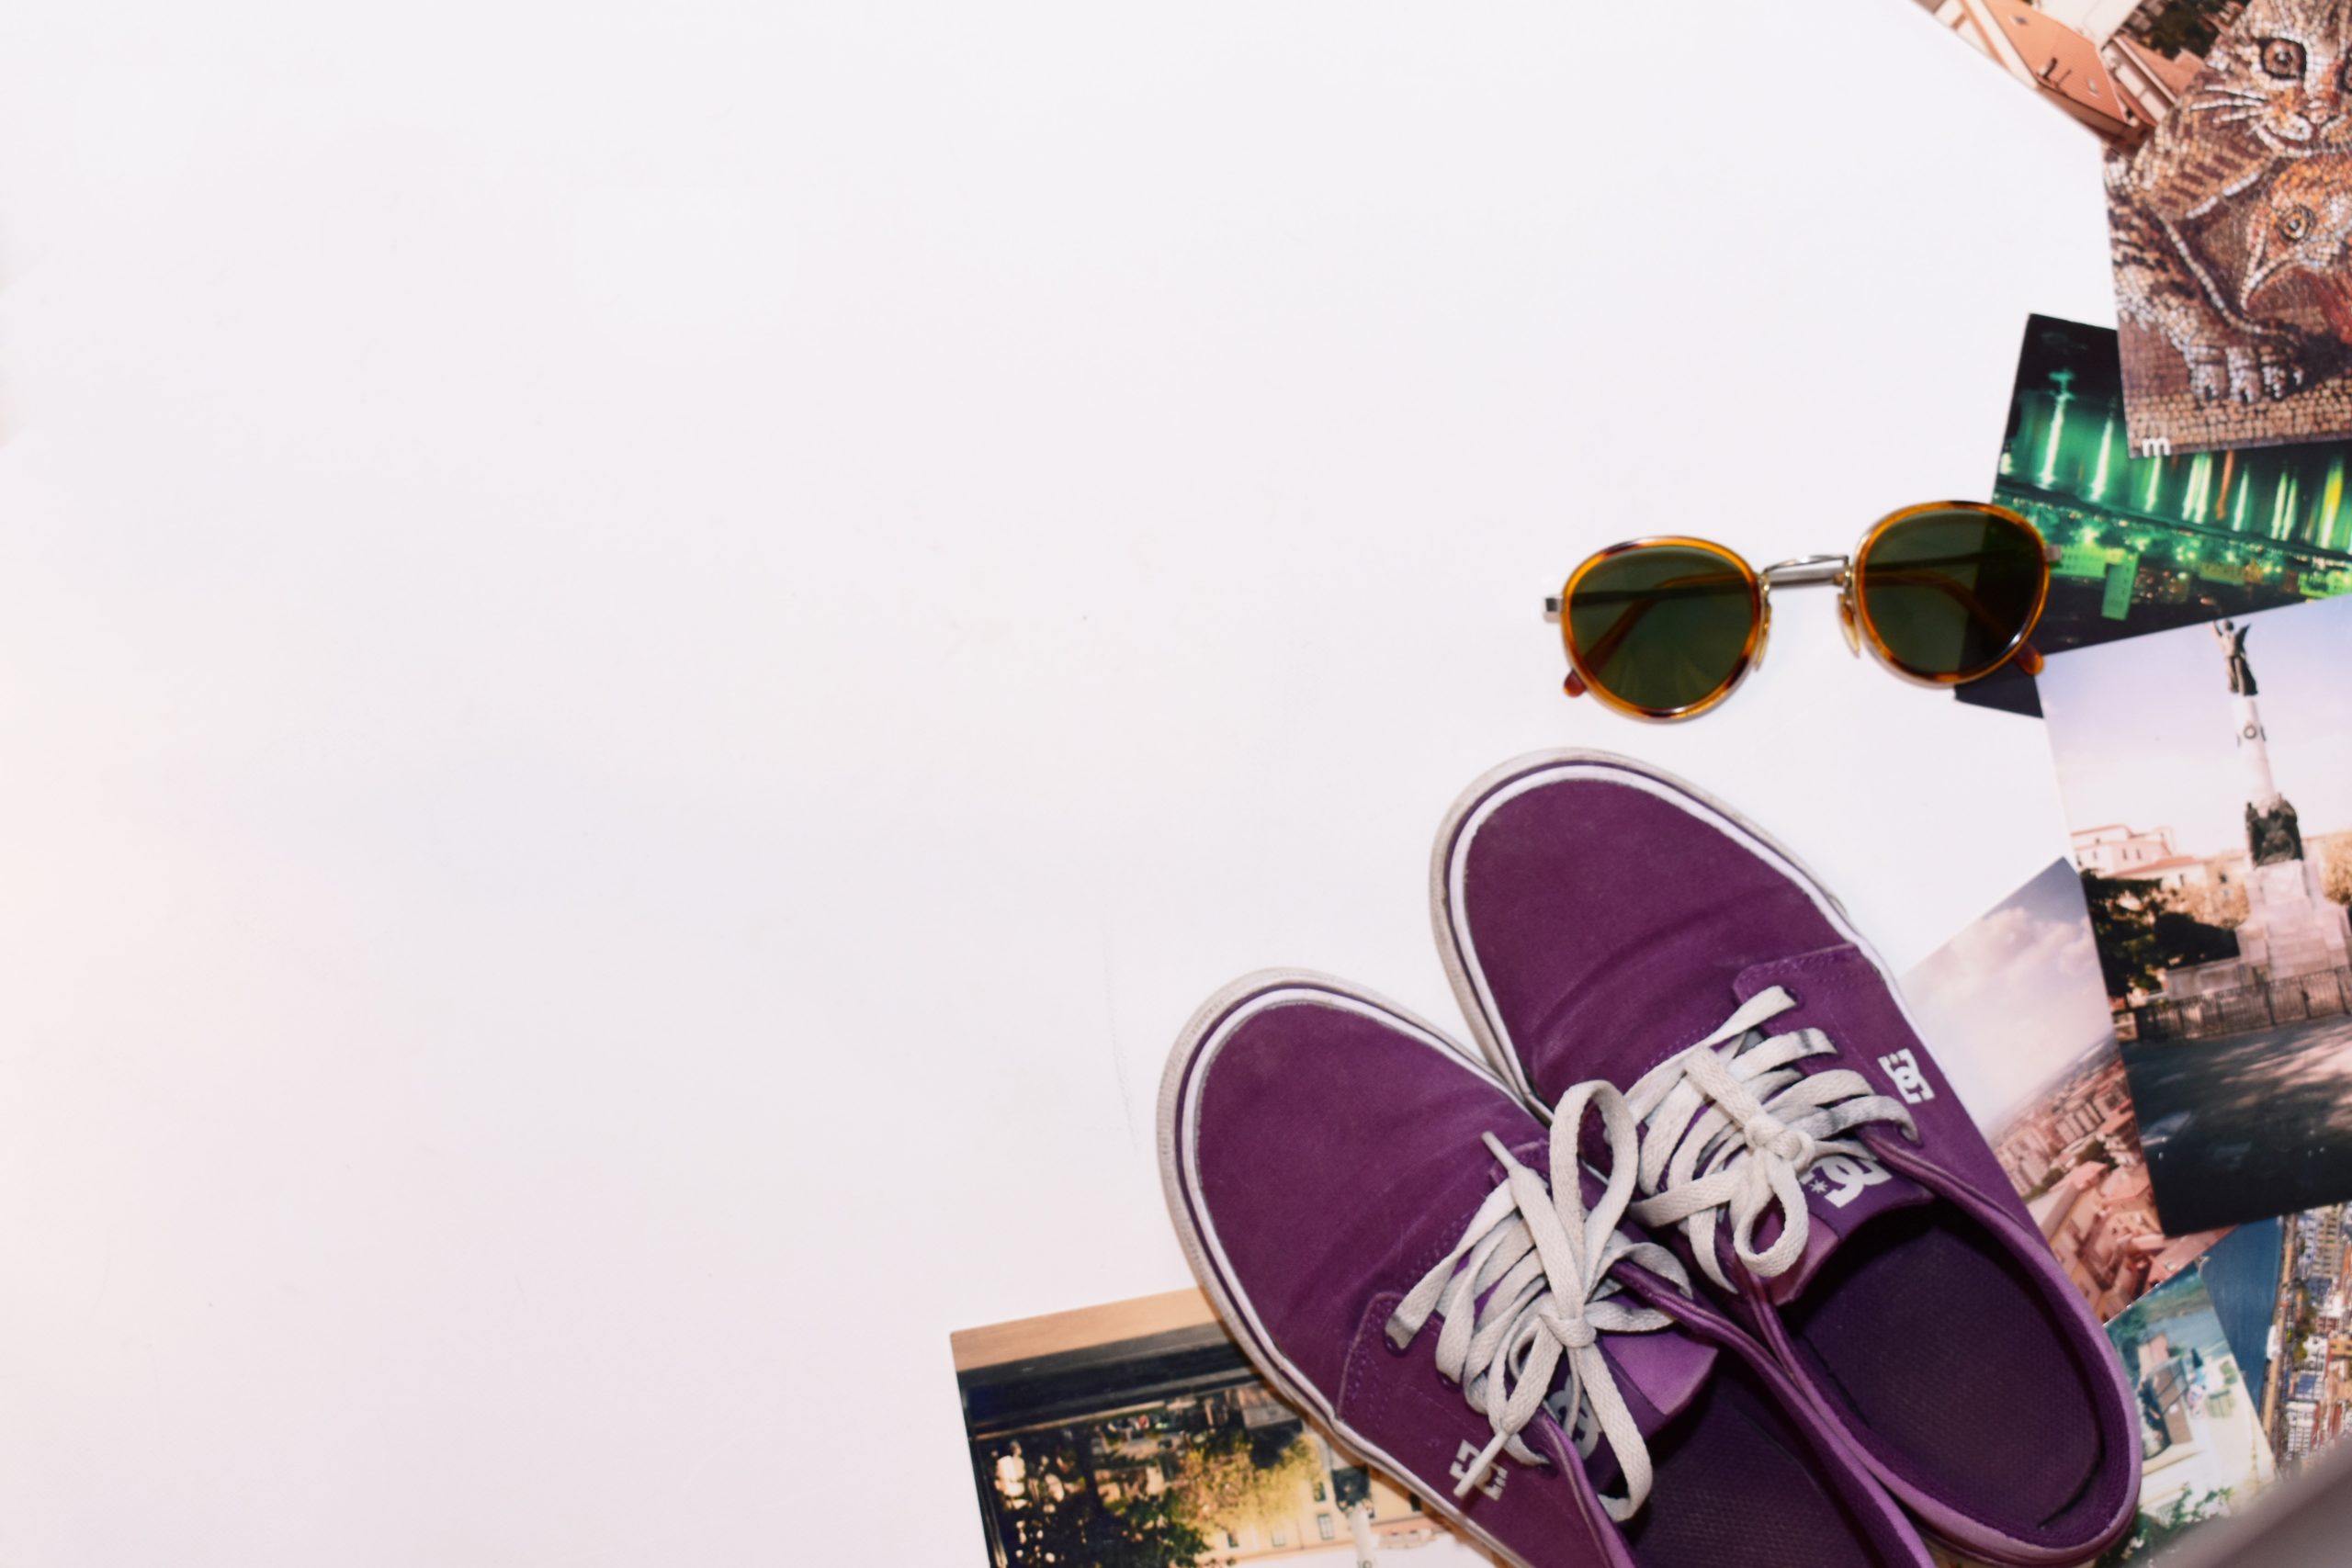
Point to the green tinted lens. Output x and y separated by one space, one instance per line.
1662 627
1949 593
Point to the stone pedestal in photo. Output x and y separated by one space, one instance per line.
2291 928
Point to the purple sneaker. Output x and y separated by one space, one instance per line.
1341 1175
1601 919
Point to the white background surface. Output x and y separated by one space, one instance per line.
647 654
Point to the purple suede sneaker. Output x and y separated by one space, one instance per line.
1799 1144
1341 1175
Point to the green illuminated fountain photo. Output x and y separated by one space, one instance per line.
2151 542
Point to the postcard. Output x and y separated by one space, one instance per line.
2205 1449
2228 221
1138 1434
2216 855
2017 1013
2148 543
2119 66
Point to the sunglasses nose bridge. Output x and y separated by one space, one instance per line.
1820 572
1808 572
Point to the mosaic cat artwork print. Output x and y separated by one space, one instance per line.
2229 220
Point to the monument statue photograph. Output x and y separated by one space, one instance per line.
2211 815
2272 833
2232 637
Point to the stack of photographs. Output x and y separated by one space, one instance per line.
2164 1065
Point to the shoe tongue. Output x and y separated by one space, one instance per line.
1657 1374
1658 1371
1843 1192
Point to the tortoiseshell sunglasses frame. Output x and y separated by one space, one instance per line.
1841 572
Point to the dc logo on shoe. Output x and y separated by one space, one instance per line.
1909 1081
1841 1179
1493 1485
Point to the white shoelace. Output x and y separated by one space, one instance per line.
1527 1288
1734 1123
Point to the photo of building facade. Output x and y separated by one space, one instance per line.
2117 66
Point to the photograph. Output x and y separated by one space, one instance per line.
2207 780
2018 1014
2204 1449
2119 66
2018 1017
2227 223
2146 543
1137 1435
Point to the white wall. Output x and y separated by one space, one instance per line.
648 652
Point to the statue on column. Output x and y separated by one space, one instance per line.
2233 639
2272 832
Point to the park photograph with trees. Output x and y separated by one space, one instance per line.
2207 778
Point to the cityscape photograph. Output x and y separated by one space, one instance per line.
2016 992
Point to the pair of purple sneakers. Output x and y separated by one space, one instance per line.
1706 1266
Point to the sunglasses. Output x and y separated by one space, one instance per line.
1941 593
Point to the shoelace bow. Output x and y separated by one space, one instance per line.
1528 1288
1735 1124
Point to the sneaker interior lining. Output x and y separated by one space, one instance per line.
1945 1355
1735 1483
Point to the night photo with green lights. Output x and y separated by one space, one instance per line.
2147 543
